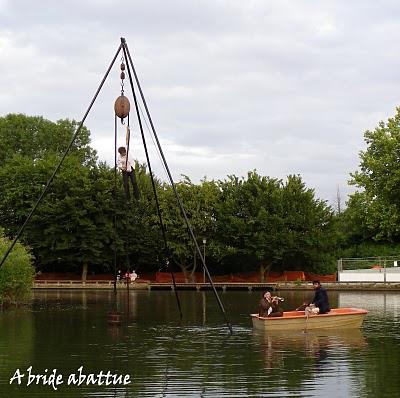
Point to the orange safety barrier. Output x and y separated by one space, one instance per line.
249 277
165 277
321 278
197 277
58 276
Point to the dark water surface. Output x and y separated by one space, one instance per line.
197 357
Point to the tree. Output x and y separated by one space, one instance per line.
267 224
377 206
248 221
72 225
16 274
35 137
72 220
308 237
199 202
139 234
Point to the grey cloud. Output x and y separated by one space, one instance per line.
283 87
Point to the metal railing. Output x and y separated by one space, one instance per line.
344 264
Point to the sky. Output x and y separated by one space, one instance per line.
281 87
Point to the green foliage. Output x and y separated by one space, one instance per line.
377 206
370 249
139 235
199 202
70 220
16 274
275 225
35 137
249 223
248 219
309 238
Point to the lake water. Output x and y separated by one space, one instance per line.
195 357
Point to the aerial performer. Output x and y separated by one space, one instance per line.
128 174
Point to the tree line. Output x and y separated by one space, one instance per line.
251 223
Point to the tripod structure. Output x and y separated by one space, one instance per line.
133 79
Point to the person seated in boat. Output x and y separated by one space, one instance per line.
320 302
269 306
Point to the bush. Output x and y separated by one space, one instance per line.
16 274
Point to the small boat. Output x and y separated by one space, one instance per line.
337 318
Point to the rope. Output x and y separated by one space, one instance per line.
128 58
166 249
115 204
127 141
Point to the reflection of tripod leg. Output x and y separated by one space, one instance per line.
126 184
307 312
136 192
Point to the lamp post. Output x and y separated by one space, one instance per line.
204 257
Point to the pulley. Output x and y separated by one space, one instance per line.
122 106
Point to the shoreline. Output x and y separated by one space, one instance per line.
147 285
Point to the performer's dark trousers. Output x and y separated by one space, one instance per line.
130 175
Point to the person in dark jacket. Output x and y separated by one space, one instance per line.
320 299
269 306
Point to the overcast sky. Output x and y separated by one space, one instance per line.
283 87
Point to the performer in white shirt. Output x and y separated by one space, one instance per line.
128 172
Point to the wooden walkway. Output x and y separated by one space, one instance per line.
76 284
148 285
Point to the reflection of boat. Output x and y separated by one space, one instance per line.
337 318
347 338
315 344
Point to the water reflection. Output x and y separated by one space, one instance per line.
313 344
381 302
16 337
197 357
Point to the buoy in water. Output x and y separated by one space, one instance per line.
114 318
